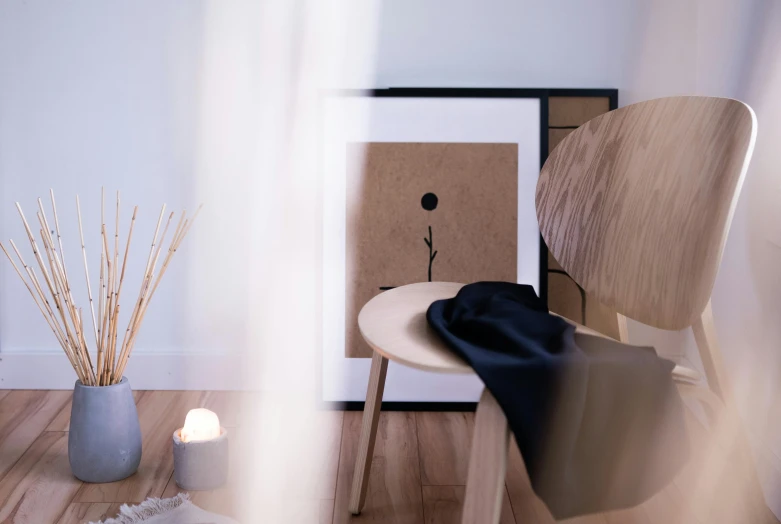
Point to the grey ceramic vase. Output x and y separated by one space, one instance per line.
104 443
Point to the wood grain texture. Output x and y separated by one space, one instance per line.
23 416
226 404
84 512
564 298
324 443
302 444
444 441
563 294
575 110
369 424
38 489
62 420
487 464
636 204
394 324
712 488
443 504
220 501
394 494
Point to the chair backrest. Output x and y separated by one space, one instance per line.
636 203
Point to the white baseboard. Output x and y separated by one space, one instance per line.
182 371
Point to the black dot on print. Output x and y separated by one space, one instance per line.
429 201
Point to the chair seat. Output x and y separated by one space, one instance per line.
394 324
682 372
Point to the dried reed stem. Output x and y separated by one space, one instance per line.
57 226
52 287
104 312
134 324
144 283
64 304
64 317
36 300
86 274
181 231
61 280
39 289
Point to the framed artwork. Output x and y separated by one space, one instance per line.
423 185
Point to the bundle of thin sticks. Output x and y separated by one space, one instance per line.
60 311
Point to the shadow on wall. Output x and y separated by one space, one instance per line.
751 298
747 295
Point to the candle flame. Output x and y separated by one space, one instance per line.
200 424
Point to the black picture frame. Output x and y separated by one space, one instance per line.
543 94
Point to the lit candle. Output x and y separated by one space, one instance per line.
200 424
200 451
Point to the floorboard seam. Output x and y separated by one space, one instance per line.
420 468
33 440
75 492
338 465
171 476
509 502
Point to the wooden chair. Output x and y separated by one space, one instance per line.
635 205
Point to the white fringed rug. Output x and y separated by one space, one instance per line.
176 510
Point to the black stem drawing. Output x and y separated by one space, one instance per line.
431 253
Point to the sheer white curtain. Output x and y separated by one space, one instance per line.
732 49
747 296
264 67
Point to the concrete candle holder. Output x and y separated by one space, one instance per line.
201 465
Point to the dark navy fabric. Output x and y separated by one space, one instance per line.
599 424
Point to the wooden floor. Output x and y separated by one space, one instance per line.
418 473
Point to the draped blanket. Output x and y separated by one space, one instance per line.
599 423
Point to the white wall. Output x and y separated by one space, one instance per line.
646 49
93 94
176 102
165 101
148 96
747 296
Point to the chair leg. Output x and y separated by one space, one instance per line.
371 416
487 464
